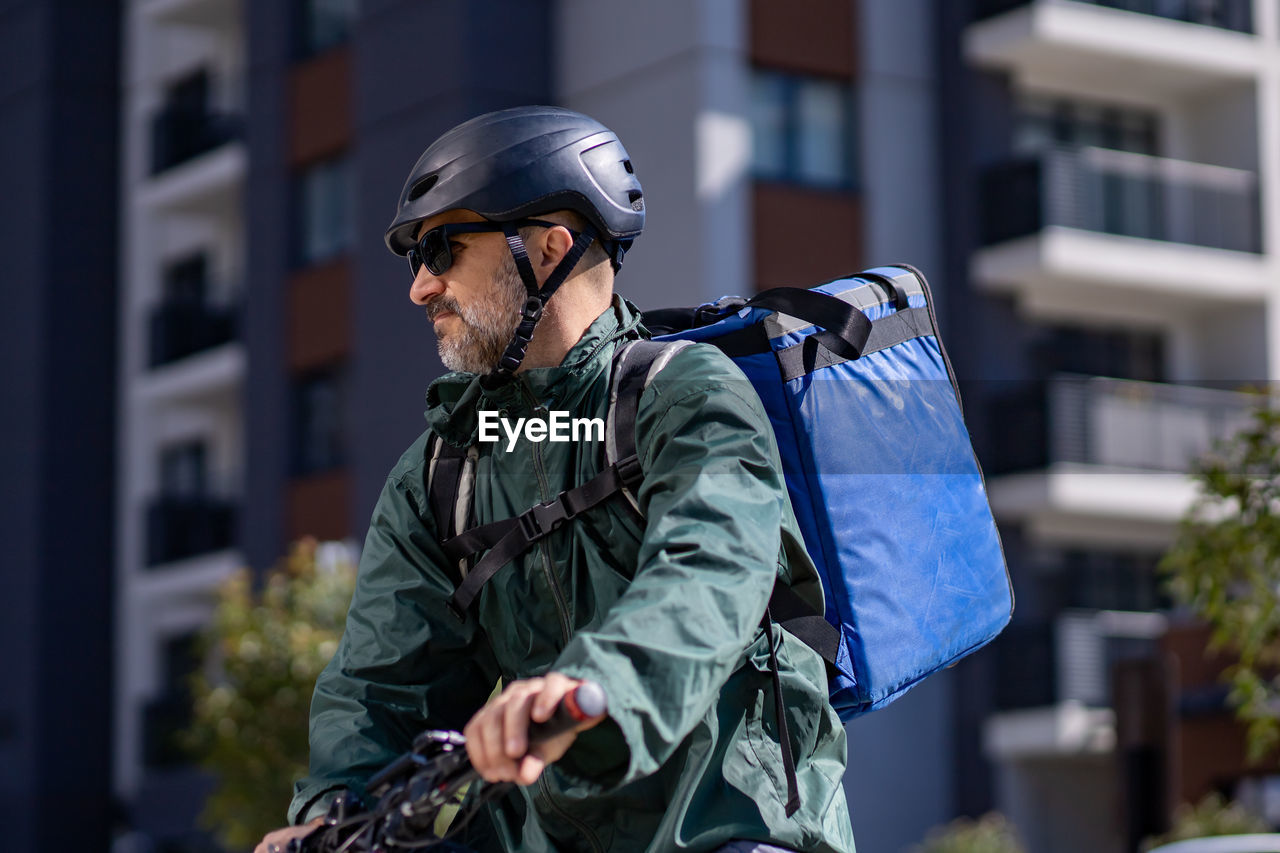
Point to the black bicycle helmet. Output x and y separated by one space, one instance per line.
516 163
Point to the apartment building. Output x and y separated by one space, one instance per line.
1114 193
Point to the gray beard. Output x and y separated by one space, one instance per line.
487 325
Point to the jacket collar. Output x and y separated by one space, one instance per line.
454 399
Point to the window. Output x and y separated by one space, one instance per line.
318 441
323 24
802 129
323 219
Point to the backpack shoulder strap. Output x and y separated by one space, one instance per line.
634 367
450 485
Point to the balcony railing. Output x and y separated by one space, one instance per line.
1093 420
180 328
186 526
1070 658
1123 193
180 134
1224 14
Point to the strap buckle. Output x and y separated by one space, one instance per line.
541 519
630 472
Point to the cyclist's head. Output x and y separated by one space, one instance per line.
516 170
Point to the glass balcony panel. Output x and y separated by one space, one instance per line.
181 327
1089 420
1123 193
182 526
201 112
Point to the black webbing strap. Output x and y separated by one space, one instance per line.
446 482
539 521
846 328
477 539
535 299
894 289
780 711
802 621
892 329
632 374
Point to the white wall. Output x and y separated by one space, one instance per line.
675 91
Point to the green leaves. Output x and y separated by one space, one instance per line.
991 833
263 651
1225 566
1211 817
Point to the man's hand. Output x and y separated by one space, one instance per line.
498 734
277 841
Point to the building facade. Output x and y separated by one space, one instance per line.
1113 225
1091 187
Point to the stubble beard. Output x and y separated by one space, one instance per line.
484 327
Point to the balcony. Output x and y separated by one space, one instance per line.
197 161
1123 193
179 135
1069 660
1104 460
1150 51
1225 14
1073 227
180 328
179 527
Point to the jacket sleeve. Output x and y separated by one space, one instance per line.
404 663
713 498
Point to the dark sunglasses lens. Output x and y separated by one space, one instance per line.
435 251
415 261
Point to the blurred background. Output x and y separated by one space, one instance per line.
212 354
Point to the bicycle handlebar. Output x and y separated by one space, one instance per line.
412 790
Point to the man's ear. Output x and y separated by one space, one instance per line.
555 243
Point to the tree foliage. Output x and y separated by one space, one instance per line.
263 651
1211 817
1225 565
991 833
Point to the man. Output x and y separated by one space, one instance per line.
658 597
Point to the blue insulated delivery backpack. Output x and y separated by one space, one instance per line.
880 469
878 463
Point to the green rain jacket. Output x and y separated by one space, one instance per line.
664 613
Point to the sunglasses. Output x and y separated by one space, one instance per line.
432 249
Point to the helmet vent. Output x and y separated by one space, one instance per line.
636 198
626 164
422 187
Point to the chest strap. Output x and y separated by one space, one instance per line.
511 537
508 538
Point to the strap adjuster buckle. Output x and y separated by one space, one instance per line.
543 518
630 472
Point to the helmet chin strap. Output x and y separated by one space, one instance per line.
535 298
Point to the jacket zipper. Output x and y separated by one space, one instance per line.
549 798
544 490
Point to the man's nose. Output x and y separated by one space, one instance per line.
425 286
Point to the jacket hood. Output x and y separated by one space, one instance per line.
455 399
